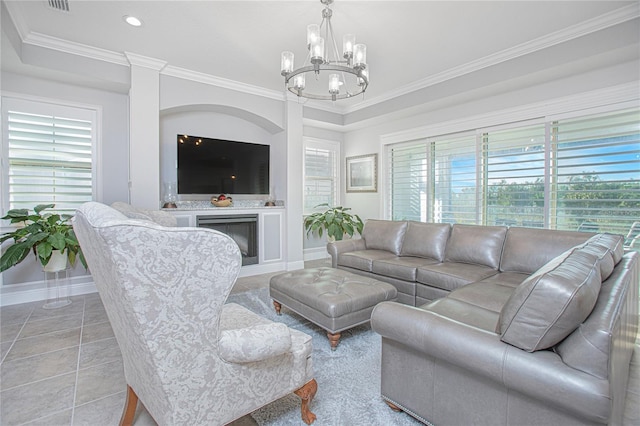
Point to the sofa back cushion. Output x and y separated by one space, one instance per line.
478 245
528 249
384 235
610 329
554 301
426 240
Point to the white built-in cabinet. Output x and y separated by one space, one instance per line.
271 234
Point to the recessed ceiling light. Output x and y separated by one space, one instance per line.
132 20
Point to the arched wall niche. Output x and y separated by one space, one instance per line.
219 122
249 116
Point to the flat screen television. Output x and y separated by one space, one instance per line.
217 166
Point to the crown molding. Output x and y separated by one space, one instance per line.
622 94
19 23
225 83
601 22
145 61
66 46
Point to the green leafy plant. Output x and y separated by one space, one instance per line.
336 221
42 233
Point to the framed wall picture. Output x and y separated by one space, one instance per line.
362 173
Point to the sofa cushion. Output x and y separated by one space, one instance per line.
426 240
466 313
612 243
508 279
451 275
589 347
362 259
479 245
403 268
384 235
527 249
552 302
487 295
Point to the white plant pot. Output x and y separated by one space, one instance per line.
57 262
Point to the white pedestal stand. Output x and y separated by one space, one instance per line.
57 289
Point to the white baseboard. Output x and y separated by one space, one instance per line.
315 253
250 270
37 291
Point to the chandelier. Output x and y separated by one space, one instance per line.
342 77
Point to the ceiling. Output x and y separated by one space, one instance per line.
410 44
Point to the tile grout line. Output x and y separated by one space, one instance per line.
75 385
15 339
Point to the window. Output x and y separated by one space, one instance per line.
320 173
574 174
408 181
514 164
455 179
49 152
596 164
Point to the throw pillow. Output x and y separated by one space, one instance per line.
554 301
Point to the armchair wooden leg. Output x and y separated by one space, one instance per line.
278 307
306 393
129 408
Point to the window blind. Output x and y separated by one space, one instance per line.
408 181
597 163
50 160
320 183
455 179
514 176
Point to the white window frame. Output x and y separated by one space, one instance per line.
48 106
390 141
328 145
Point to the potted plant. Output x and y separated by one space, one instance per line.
335 220
47 234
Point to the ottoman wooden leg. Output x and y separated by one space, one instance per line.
278 306
393 406
333 339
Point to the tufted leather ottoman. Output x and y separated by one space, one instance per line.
334 299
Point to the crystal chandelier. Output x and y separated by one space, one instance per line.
347 77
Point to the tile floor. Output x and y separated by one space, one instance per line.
63 366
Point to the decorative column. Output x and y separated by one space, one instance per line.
144 131
294 228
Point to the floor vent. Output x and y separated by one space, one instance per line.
62 5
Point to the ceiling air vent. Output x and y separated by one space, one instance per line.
62 5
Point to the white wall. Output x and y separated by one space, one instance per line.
114 146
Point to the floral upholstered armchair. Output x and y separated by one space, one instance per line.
188 356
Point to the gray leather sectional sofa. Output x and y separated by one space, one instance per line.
506 326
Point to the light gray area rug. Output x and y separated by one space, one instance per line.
348 378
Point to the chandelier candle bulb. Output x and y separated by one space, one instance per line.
334 84
360 55
286 65
348 40
365 74
298 82
313 33
317 51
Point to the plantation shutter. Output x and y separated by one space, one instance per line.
597 163
320 184
514 165
455 186
50 159
408 181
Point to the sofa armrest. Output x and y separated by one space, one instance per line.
540 374
344 246
255 343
